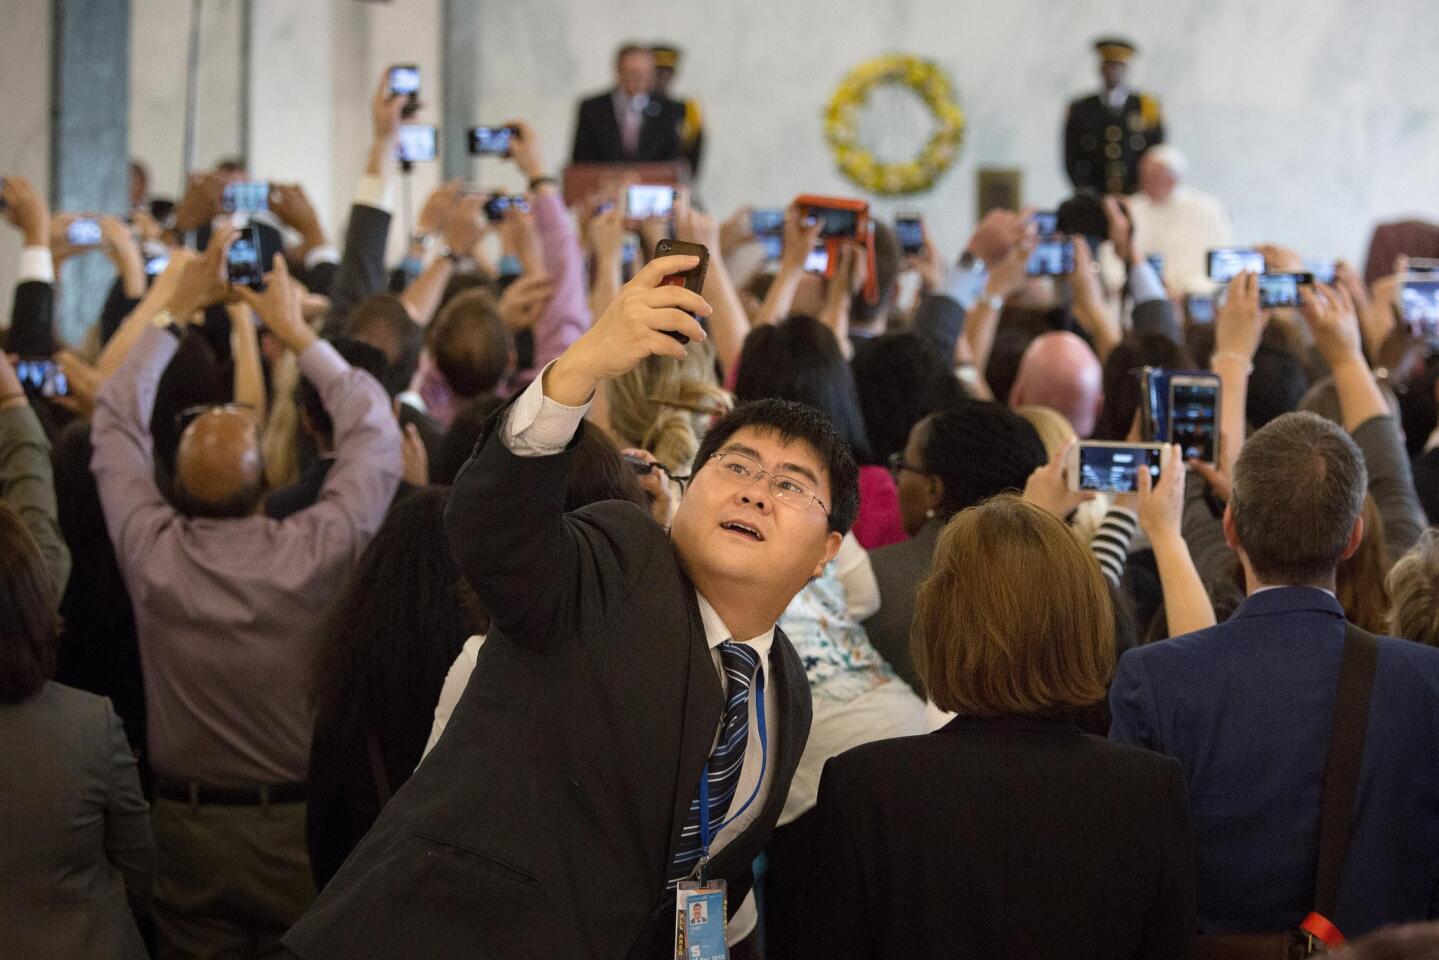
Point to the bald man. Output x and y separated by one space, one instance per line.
227 602
1060 371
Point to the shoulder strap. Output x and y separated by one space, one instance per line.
1341 768
377 767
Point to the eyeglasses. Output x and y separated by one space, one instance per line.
897 465
744 470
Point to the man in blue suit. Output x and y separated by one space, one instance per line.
1247 706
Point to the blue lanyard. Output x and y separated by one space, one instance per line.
705 834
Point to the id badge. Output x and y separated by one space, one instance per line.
700 921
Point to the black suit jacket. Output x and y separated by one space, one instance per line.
32 320
1102 147
543 822
1015 837
597 132
362 266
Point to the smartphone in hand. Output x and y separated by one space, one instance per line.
692 279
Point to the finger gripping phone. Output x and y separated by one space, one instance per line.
1104 467
692 279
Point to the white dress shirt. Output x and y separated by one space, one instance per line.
1182 229
538 426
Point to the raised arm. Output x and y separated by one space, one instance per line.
32 315
359 487
505 516
26 482
799 239
1161 513
135 510
1237 330
728 325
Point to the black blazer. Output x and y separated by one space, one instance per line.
32 320
597 131
1006 838
543 822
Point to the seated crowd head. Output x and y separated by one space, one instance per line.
993 645
1060 371
28 625
1296 508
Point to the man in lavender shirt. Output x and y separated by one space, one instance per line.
226 601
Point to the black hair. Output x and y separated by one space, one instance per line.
460 439
359 355
887 256
799 359
1121 379
979 450
598 472
398 623
901 378
802 422
1278 383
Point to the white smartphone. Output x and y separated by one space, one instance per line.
1106 467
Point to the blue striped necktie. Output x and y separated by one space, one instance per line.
739 662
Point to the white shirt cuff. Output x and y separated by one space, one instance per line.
538 426
36 263
377 192
328 253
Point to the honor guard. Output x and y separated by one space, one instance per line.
1105 134
692 134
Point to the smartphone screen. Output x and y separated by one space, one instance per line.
41 377
1226 263
766 222
496 206
1052 257
1045 222
818 260
835 222
1322 270
1194 416
242 267
1156 262
246 196
404 79
1281 289
1419 304
910 230
645 201
417 142
1113 467
84 232
1199 307
490 141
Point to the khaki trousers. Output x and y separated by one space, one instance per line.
229 880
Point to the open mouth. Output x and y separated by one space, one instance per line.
744 529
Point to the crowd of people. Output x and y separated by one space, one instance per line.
525 603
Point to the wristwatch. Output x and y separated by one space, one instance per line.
538 182
968 261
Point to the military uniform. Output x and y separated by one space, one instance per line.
691 123
1103 143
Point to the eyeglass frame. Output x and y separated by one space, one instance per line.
898 464
774 479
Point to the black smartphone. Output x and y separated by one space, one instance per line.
1199 307
41 377
491 141
834 221
692 279
1281 289
416 143
909 228
405 82
242 265
1194 415
1051 257
246 196
84 232
1226 263
496 206
1045 222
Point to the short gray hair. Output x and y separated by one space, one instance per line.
1299 487
1414 592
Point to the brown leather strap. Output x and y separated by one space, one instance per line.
377 766
1341 768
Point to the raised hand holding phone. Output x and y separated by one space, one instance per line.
279 307
637 324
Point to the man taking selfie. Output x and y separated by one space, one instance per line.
635 718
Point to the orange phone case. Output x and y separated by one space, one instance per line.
864 237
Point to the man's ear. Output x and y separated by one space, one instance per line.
1231 537
934 493
1356 537
831 547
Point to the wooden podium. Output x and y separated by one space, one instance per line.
582 180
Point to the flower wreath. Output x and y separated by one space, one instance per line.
860 165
